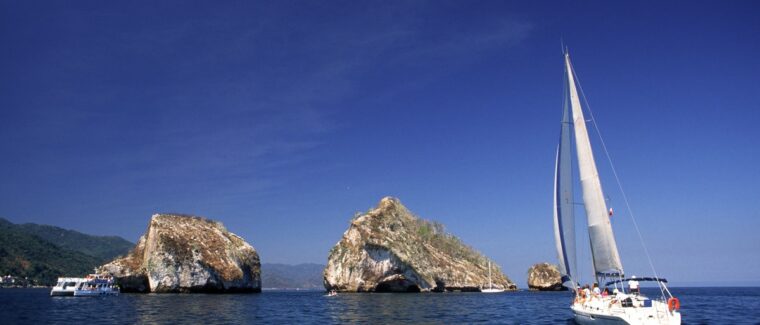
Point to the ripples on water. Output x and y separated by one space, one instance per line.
34 306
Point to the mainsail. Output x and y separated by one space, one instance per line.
564 220
603 247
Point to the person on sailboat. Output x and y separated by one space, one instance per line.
586 294
633 285
617 297
583 295
597 291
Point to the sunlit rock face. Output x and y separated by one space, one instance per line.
388 249
545 277
187 254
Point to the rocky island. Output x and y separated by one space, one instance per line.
181 253
545 277
388 249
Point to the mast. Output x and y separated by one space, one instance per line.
490 283
603 247
564 219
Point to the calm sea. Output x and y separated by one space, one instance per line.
34 306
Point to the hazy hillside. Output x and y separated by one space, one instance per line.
284 276
105 248
43 253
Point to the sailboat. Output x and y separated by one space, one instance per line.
625 306
490 288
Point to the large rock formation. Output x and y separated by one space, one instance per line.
390 249
545 277
187 254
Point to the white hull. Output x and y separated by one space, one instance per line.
492 290
584 318
55 292
602 313
95 293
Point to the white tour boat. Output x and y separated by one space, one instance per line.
624 306
91 285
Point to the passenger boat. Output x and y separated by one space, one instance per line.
91 285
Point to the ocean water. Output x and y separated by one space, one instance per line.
35 306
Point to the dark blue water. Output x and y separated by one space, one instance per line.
34 306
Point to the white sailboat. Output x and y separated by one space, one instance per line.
490 288
624 307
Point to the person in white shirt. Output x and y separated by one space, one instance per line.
597 291
586 293
633 285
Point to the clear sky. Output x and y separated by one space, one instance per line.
282 119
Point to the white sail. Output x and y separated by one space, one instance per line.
603 247
564 220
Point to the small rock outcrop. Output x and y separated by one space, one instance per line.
388 249
545 277
187 254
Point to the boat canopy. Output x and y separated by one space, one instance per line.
646 279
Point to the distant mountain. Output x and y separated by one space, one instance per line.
43 253
105 248
284 276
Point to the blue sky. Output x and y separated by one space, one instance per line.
282 119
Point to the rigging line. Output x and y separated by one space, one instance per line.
620 185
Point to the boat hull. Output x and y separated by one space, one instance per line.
584 318
598 314
94 293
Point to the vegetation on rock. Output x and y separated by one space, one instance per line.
181 253
390 249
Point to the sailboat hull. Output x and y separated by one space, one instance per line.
600 314
584 318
